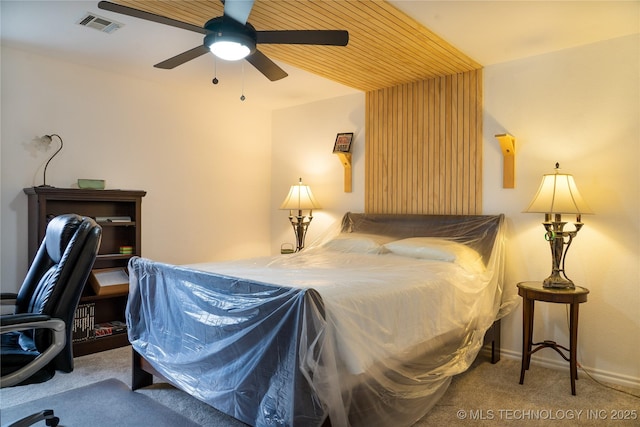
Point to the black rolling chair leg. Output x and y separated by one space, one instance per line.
46 415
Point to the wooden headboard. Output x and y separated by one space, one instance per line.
424 147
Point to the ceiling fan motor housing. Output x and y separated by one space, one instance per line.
224 29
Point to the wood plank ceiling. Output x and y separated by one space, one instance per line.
386 47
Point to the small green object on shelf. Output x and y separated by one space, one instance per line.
93 184
286 248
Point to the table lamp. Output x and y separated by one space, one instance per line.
557 195
46 140
300 198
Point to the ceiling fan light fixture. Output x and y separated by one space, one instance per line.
229 50
230 40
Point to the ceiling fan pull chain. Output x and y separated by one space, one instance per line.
242 97
215 71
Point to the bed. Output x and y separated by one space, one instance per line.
365 327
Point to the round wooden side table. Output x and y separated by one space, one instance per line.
534 291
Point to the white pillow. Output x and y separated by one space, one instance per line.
358 242
438 249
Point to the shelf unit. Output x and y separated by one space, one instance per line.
45 203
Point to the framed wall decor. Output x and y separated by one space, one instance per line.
343 143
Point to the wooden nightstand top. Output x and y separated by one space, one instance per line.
535 290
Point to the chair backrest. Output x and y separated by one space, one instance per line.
56 278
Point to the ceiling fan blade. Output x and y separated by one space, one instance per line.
317 37
125 10
238 10
183 57
266 66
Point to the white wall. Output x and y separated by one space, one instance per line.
206 173
579 107
302 141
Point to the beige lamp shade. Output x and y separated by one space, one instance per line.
300 197
558 194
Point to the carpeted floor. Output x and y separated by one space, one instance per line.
485 395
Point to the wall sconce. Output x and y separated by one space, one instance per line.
557 195
342 147
300 198
508 147
46 140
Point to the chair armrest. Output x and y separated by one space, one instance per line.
26 318
35 321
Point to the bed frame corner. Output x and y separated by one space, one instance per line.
139 376
492 341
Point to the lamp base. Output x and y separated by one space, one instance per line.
300 224
556 237
556 281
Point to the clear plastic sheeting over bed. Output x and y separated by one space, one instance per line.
363 328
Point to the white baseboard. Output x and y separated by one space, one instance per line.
600 375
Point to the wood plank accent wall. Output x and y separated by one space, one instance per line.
424 146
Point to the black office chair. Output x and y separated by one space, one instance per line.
37 337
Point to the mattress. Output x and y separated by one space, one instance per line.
377 305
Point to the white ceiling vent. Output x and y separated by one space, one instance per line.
99 23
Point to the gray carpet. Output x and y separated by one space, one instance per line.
115 364
485 395
93 405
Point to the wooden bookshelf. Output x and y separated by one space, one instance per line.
48 202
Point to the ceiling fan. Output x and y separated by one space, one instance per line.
231 37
